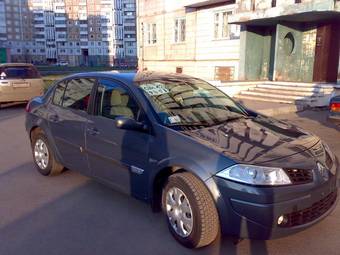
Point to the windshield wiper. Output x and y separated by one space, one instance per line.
234 118
194 124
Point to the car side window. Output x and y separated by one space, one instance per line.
77 93
59 93
113 100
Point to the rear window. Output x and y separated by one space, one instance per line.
19 72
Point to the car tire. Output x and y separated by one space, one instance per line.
204 227
43 155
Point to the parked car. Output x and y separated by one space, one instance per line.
19 82
334 109
62 63
185 147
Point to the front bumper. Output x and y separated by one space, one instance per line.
252 212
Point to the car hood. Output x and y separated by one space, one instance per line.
254 140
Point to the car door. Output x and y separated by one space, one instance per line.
116 156
67 117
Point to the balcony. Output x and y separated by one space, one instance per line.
63 17
60 36
57 24
37 25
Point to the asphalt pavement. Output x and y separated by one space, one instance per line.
72 214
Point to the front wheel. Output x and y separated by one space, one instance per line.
43 155
190 210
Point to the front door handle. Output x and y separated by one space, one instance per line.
93 131
53 117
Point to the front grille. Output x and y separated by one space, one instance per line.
300 176
311 213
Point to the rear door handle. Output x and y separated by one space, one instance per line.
93 131
53 117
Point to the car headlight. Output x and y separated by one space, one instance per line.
255 175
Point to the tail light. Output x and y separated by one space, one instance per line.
335 107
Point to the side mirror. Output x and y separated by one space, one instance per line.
130 124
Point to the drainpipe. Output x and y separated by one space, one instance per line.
140 39
277 35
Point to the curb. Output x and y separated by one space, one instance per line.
282 110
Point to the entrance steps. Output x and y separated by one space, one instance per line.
305 94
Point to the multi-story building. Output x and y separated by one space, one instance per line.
192 37
79 32
280 40
284 51
129 21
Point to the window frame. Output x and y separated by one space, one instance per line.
177 30
121 84
224 29
151 34
66 81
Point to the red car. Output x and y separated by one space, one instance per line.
334 108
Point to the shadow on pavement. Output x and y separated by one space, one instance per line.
72 224
88 219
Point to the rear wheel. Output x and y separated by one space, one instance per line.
190 210
43 155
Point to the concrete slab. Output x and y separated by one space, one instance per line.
270 108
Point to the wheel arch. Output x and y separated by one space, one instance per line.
34 130
159 181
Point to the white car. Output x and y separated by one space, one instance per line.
62 63
19 82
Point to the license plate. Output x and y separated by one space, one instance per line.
21 85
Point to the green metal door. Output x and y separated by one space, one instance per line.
3 55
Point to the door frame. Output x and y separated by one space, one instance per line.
326 62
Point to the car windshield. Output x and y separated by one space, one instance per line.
21 72
190 101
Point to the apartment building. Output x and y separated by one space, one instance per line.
276 40
79 32
193 37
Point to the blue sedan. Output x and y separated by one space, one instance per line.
187 149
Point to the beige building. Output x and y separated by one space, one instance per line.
192 37
283 51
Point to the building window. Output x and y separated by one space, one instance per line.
154 33
179 30
273 3
151 34
223 30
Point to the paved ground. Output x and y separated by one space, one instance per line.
71 214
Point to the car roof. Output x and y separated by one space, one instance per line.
131 78
14 64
